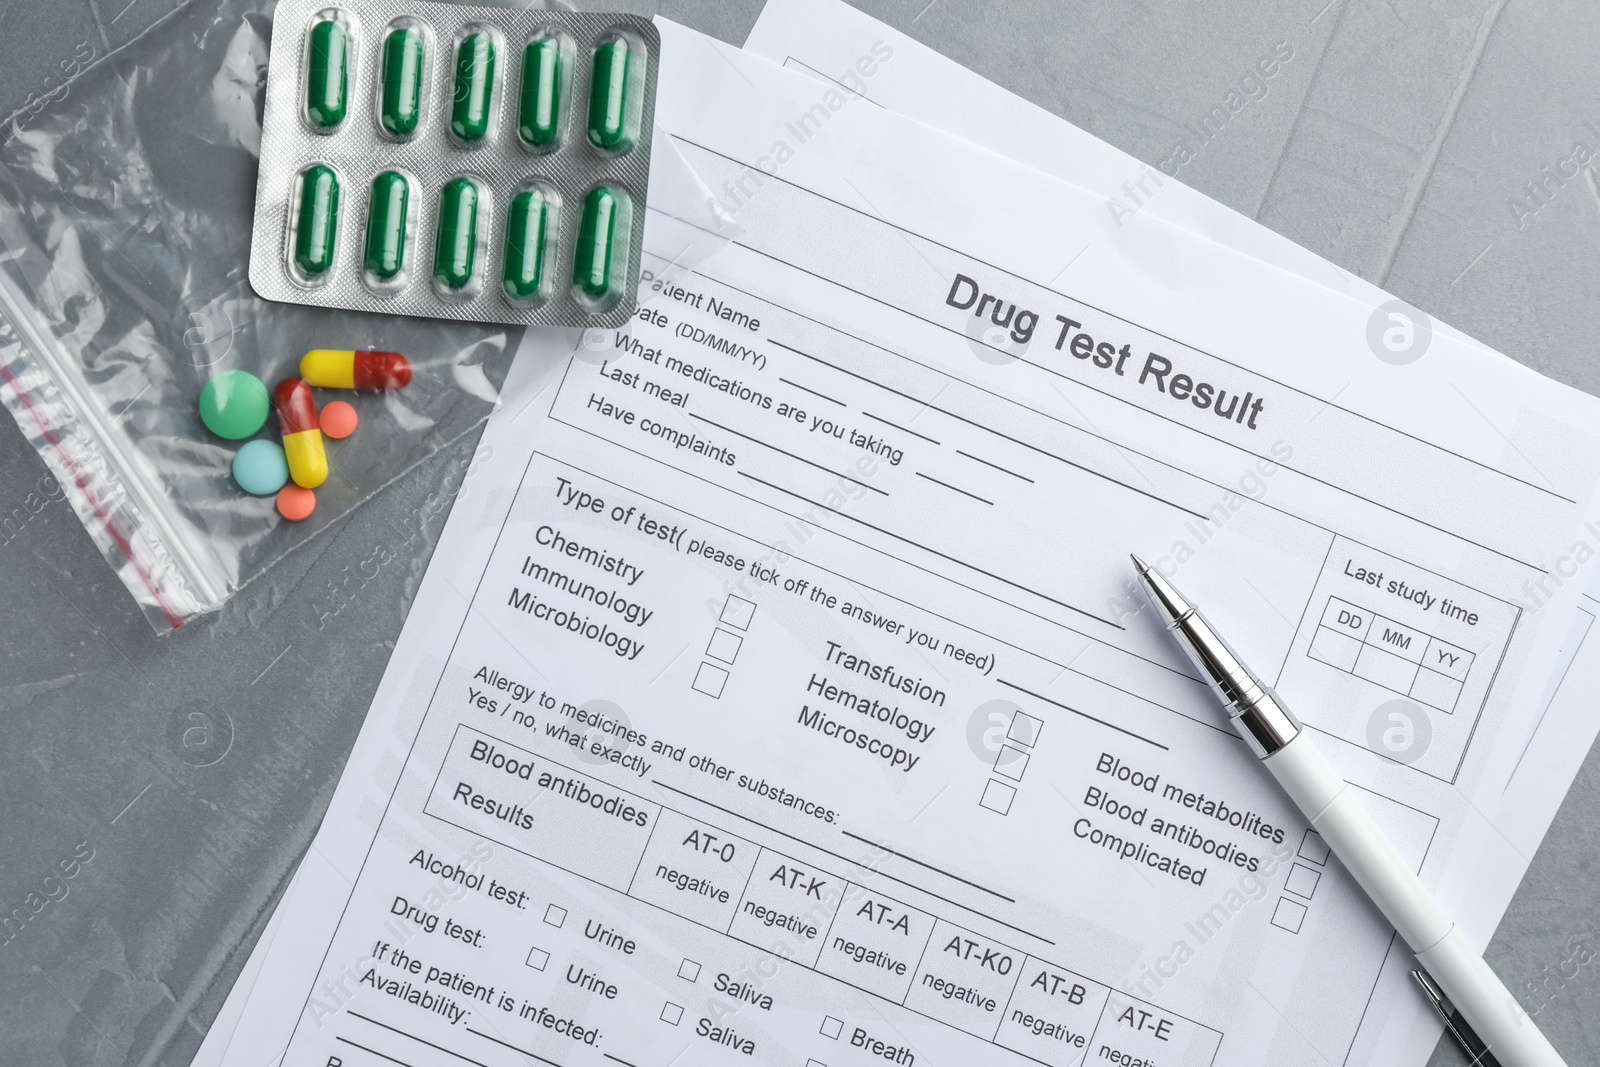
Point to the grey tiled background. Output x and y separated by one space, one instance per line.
1395 143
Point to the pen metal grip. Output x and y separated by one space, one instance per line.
1220 667
1255 712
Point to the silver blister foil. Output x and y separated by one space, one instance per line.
501 164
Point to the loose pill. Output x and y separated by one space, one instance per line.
608 97
400 105
469 113
260 468
234 404
603 210
327 74
539 111
525 239
296 503
385 254
457 243
338 419
343 368
302 439
317 222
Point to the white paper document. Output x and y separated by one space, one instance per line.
823 38
779 691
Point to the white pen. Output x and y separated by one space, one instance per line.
1476 1006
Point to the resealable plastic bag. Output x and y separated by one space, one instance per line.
126 204
125 220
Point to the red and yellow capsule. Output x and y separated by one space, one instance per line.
344 368
302 435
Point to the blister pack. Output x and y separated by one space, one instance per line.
470 163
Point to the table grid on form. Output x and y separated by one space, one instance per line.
1400 658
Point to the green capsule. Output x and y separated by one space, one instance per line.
401 104
328 75
605 211
538 115
469 114
608 97
385 255
457 244
318 220
525 228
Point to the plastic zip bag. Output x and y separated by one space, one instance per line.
125 216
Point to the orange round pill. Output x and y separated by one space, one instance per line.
296 502
338 419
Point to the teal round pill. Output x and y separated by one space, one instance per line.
260 467
234 404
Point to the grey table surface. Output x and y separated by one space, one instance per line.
1398 143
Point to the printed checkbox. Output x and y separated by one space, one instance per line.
831 1027
555 915
997 796
1302 880
1436 691
737 612
538 958
1024 729
815 1063
710 679
724 645
1334 648
1011 762
688 970
1289 915
1313 848
1384 667
671 1013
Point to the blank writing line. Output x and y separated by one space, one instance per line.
414 1037
791 455
813 392
896 425
996 466
619 1059
373 1051
952 488
830 80
1085 714
987 392
931 867
934 551
512 1047
997 433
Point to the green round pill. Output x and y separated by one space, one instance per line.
261 468
234 404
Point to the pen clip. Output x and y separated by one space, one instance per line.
1478 1054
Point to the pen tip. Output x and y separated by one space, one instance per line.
1171 602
